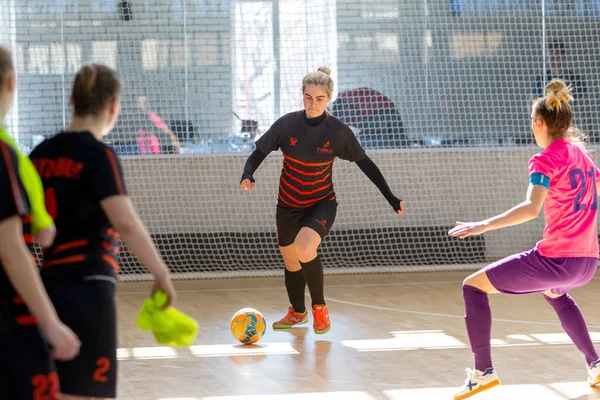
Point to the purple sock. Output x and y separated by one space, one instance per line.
574 325
478 317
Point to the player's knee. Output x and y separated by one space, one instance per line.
549 295
292 266
468 281
305 251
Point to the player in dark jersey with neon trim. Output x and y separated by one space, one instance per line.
87 197
27 317
310 141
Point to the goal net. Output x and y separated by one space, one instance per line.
437 91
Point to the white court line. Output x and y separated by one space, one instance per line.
443 315
354 395
247 289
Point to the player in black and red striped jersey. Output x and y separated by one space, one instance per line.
310 141
28 321
86 195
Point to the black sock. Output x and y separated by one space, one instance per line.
313 274
295 284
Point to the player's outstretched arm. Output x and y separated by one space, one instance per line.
133 232
370 169
252 163
22 272
526 211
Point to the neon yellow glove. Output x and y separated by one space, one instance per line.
170 327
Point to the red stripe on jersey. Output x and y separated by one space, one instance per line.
66 260
113 233
304 193
304 202
18 300
28 238
284 201
321 172
27 320
109 247
307 164
12 176
111 261
115 167
27 219
71 245
289 204
306 183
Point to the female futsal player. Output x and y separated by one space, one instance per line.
564 177
86 196
310 141
26 368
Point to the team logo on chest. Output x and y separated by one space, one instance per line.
293 141
325 148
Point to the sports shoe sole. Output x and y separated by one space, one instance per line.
322 332
478 390
282 326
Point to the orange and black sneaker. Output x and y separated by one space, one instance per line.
321 322
291 318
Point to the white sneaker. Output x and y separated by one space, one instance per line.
594 373
477 382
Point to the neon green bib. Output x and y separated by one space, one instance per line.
40 219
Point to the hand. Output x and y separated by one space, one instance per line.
247 185
45 237
400 211
465 229
63 342
166 285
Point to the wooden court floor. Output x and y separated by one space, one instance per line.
393 336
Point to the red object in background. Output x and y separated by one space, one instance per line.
353 105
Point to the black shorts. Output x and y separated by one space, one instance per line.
290 220
87 306
26 369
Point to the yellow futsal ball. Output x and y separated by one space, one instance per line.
248 325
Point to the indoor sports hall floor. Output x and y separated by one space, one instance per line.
393 336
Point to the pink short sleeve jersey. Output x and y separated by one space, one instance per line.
156 121
570 174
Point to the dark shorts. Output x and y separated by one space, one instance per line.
530 272
26 369
87 306
290 220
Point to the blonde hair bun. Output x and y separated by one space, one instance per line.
325 70
558 93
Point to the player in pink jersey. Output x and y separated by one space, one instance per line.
564 177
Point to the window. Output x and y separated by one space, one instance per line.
105 52
74 56
475 44
206 49
381 9
39 62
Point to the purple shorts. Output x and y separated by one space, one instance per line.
530 272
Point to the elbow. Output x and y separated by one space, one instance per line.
532 212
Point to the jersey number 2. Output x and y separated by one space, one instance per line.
578 179
103 365
50 200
